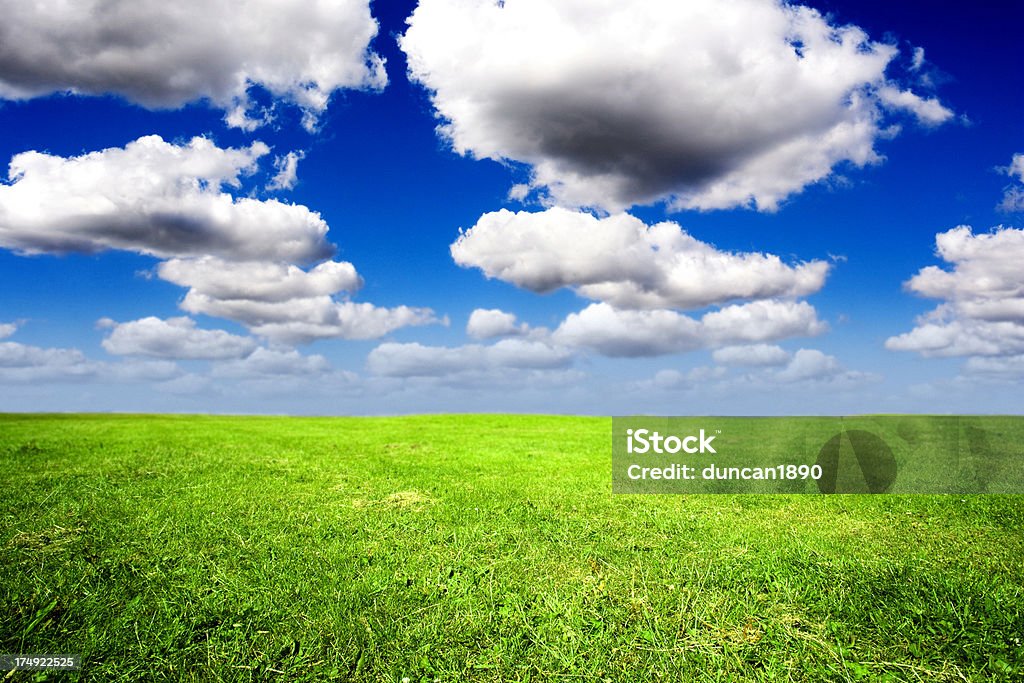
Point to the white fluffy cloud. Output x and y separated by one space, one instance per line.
488 323
284 303
162 54
305 320
24 363
152 197
234 359
622 261
1013 196
236 255
259 281
641 278
809 364
174 338
760 321
754 355
946 337
625 333
616 333
987 280
606 330
703 103
812 367
417 360
982 313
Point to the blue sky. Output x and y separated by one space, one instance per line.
806 157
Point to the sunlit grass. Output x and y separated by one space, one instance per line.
474 548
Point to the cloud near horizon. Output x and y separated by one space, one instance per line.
602 329
800 370
632 334
152 347
27 364
640 278
981 316
174 338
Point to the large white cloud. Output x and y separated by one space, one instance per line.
174 338
642 277
982 309
704 103
626 333
237 256
622 261
152 197
165 54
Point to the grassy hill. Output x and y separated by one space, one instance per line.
482 548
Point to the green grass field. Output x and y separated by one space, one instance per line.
474 548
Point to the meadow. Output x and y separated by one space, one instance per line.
474 548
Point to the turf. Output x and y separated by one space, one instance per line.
474 548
